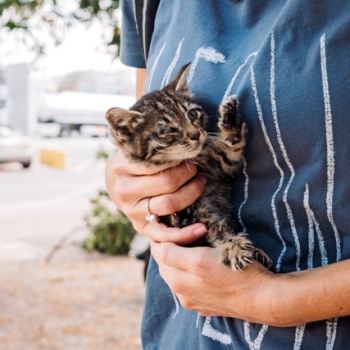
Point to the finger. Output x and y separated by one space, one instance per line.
127 186
120 163
167 204
166 181
193 260
160 233
118 174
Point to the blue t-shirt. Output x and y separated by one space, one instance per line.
288 62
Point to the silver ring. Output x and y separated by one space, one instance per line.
150 217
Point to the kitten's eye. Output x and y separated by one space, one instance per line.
193 114
168 131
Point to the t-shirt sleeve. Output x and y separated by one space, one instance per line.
130 51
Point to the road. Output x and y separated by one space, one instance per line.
75 300
41 205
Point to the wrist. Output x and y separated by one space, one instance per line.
265 299
275 298
260 290
312 295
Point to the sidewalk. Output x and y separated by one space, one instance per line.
74 301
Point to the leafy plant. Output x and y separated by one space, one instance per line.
111 230
103 154
29 19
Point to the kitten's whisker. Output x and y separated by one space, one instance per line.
193 161
188 167
211 138
214 139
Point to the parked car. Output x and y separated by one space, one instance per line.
14 147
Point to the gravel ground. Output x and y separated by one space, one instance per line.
76 301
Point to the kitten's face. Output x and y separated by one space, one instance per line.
163 128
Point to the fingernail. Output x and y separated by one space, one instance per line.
200 231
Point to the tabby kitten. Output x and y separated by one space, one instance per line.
166 127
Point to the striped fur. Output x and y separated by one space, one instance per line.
165 128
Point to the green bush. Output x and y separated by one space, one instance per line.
102 153
111 230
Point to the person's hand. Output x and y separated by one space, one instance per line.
131 185
255 294
202 284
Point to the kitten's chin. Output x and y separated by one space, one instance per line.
160 167
193 154
171 159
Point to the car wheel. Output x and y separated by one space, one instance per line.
26 165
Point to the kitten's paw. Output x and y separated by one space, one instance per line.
230 123
238 252
262 257
230 119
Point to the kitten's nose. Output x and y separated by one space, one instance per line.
193 135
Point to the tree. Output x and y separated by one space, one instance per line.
28 18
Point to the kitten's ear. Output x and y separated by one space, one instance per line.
120 123
180 80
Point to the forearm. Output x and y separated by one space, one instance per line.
256 294
309 295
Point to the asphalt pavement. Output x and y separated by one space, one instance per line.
54 295
43 205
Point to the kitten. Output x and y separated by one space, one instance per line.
166 127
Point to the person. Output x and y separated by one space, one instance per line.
287 63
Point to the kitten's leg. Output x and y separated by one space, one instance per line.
231 126
238 252
231 138
235 249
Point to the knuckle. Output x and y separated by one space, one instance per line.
167 205
197 188
186 304
168 183
160 253
198 266
115 166
164 253
137 226
177 288
155 232
121 193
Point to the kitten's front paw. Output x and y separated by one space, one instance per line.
230 117
231 123
262 257
238 252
